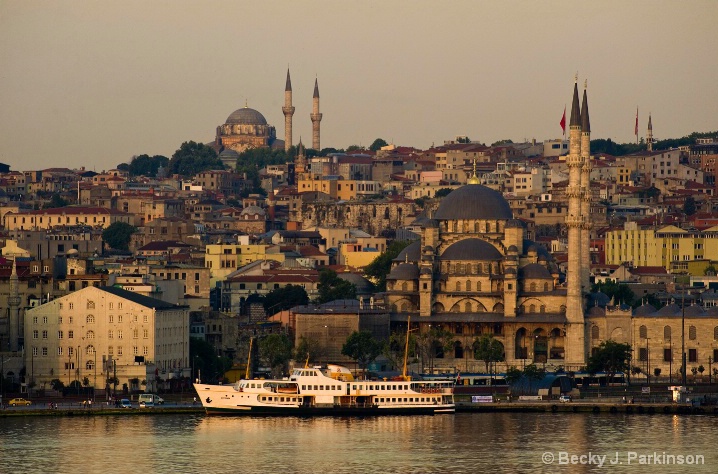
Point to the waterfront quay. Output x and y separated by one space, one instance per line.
586 406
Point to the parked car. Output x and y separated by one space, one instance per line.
125 403
19 402
564 398
144 404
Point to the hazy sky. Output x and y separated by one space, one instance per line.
91 83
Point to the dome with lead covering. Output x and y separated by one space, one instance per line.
474 201
404 271
246 116
471 249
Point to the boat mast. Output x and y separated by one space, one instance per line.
249 358
406 346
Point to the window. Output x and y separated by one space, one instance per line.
666 333
144 318
692 333
110 350
35 334
90 305
135 333
44 320
71 305
59 351
119 305
70 320
111 305
44 351
692 355
34 320
135 350
70 334
90 319
145 334
643 332
119 318
643 354
145 350
667 356
134 318
59 334
44 334
119 334
119 350
90 335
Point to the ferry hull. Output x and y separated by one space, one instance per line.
328 411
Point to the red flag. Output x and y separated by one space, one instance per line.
563 121
636 130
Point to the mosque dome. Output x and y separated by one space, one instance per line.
246 116
474 201
404 271
471 249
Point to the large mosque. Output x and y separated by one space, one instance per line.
247 128
473 272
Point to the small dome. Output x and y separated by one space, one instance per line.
425 271
363 286
411 252
474 201
228 153
404 271
695 310
598 299
535 271
513 224
252 210
246 116
597 311
644 310
669 310
513 249
471 249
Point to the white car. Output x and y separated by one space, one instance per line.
564 398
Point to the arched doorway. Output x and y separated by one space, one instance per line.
521 350
540 346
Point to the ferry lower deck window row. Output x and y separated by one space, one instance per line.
407 400
321 387
279 399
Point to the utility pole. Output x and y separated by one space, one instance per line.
683 336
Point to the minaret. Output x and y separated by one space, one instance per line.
13 303
649 135
288 112
316 117
585 194
300 162
574 220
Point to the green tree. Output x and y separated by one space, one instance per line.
710 270
377 144
362 347
352 148
275 350
284 298
56 384
433 344
488 349
379 268
145 165
534 372
689 206
620 292
309 349
192 158
610 357
502 142
118 235
56 201
395 347
440 193
331 287
513 375
203 357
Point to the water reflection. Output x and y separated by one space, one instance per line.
499 442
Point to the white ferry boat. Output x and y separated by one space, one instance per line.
327 391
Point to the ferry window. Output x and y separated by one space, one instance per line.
393 400
316 387
304 387
321 387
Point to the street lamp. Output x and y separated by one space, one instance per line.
648 363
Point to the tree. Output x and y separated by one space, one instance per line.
657 372
619 292
534 372
56 201
276 350
488 349
331 287
309 349
689 206
513 375
502 142
379 268
285 298
395 347
710 270
203 357
610 357
433 343
377 144
56 384
362 347
192 158
440 193
118 235
145 165
352 148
